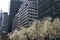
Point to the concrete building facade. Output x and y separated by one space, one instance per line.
27 13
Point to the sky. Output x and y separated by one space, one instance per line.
4 5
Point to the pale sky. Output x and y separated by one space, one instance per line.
4 5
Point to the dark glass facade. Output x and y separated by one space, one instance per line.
48 8
14 6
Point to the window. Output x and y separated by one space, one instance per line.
47 1
57 0
52 8
32 0
26 4
59 4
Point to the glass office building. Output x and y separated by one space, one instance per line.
14 6
48 8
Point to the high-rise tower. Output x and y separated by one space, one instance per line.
27 13
48 8
14 6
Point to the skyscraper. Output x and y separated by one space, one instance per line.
48 8
4 23
14 6
37 9
0 17
4 26
27 13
